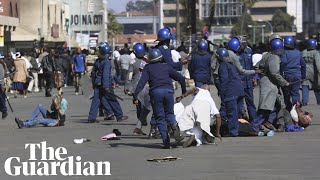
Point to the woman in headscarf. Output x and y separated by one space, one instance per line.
20 76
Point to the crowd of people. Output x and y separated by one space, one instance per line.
150 76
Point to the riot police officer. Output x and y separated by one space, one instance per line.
293 69
103 92
270 82
200 65
161 92
164 36
312 58
231 90
239 46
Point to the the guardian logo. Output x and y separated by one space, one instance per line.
53 162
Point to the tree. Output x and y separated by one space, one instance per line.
114 27
139 6
282 22
247 5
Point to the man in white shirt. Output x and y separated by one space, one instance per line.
197 117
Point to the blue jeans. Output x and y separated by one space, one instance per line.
66 77
162 101
32 121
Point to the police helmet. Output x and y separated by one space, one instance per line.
163 34
202 45
222 53
234 44
104 48
274 36
312 43
154 55
276 44
289 42
139 50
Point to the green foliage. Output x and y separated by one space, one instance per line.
282 22
114 27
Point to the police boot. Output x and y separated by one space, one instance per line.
154 132
176 133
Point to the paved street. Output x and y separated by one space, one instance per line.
293 156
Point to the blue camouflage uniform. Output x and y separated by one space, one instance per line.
245 58
101 79
292 68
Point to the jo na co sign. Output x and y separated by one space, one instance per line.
86 19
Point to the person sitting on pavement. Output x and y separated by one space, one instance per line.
50 119
197 117
297 120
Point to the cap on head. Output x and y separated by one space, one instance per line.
222 53
202 45
163 34
312 43
139 50
154 55
104 48
289 41
234 44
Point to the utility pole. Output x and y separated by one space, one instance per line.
81 39
178 22
193 22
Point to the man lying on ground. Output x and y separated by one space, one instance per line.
51 119
197 117
297 120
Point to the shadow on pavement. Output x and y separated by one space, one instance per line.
151 146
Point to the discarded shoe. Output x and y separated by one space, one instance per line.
117 132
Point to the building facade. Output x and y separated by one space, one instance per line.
9 21
88 22
226 12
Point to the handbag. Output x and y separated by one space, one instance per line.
58 79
